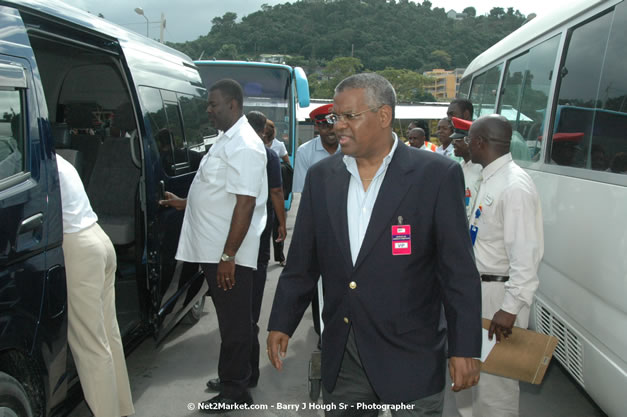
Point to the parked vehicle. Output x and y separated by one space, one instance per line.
129 114
559 80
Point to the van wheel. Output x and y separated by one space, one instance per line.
194 314
14 401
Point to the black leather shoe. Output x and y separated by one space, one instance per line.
216 386
220 404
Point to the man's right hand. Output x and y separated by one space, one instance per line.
172 200
277 347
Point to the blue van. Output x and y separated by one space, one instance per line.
129 114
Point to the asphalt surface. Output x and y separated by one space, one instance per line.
169 379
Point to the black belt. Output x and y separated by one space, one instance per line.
494 278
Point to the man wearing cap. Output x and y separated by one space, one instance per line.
507 235
472 171
317 148
417 139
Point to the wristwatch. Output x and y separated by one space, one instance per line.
227 258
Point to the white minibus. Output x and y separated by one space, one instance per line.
561 81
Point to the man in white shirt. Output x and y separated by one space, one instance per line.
472 172
93 332
316 149
506 228
445 130
225 214
273 143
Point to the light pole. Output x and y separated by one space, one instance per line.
140 12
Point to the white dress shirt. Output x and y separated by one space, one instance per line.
449 151
307 154
278 147
510 239
360 203
472 180
235 164
77 212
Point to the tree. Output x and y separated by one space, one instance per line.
409 85
470 11
227 51
441 58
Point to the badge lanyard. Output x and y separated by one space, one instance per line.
474 228
401 238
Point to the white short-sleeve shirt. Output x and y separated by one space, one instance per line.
235 164
278 147
77 212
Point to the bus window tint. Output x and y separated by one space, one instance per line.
590 129
483 92
525 97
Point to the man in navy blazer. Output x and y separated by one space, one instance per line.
385 226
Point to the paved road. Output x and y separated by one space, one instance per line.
168 378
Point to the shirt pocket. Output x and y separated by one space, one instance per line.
213 171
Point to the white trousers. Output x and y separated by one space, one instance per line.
494 396
93 333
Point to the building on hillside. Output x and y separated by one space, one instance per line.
452 14
273 58
445 83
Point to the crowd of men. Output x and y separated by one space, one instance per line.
413 246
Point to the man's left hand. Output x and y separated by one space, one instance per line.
464 372
226 275
501 325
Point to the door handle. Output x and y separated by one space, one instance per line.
32 223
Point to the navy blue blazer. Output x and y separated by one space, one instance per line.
395 305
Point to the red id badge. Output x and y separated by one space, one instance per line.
401 240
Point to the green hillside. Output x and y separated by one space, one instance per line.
380 34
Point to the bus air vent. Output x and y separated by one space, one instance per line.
569 350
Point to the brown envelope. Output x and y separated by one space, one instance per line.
524 355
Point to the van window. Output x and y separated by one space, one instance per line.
195 126
11 133
483 92
591 117
525 96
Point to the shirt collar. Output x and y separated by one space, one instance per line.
495 165
319 147
236 127
350 162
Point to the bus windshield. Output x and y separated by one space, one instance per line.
266 89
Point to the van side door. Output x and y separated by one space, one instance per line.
32 279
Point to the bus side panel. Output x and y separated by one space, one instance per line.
582 291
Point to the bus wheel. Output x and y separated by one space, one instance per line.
194 314
14 401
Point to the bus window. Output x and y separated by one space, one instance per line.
591 118
483 92
525 97
464 88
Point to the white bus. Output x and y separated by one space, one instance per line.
561 79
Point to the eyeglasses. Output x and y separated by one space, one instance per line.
467 140
347 117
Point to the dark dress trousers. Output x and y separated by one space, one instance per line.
393 302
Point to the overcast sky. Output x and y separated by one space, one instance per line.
186 20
